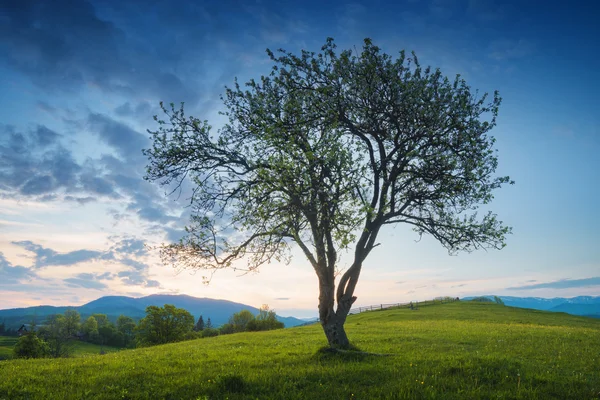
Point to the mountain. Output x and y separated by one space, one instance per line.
218 311
588 306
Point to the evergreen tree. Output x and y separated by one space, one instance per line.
199 325
208 324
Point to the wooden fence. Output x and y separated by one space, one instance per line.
413 304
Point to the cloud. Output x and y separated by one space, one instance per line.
88 281
282 298
45 257
126 141
50 43
35 163
561 284
14 274
131 246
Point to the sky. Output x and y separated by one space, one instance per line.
81 80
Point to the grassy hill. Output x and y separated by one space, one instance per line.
460 350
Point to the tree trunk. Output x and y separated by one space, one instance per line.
335 333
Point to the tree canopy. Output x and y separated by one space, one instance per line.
323 153
164 325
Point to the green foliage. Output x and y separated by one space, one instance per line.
245 321
72 322
31 346
126 328
101 319
164 325
482 299
200 324
323 153
57 334
90 329
210 332
498 300
266 320
239 321
226 329
456 351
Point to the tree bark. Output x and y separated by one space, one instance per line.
335 333
333 321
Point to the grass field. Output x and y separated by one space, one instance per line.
6 346
79 348
451 351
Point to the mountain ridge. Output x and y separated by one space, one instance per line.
587 306
218 310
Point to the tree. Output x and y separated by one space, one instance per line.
199 325
208 324
324 153
72 322
56 333
90 329
239 321
266 320
126 327
101 319
164 325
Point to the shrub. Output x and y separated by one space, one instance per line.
209 332
31 346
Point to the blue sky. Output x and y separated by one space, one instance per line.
81 80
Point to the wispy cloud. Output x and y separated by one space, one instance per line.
45 257
561 284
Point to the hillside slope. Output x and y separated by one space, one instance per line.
457 351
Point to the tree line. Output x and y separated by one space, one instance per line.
167 324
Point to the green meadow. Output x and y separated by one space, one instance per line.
458 350
79 349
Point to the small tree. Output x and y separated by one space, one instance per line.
324 153
31 346
239 321
208 324
266 320
199 325
57 334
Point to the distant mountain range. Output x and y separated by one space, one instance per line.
587 306
218 311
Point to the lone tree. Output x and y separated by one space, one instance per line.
323 153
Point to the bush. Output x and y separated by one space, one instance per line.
482 299
226 329
31 346
209 332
